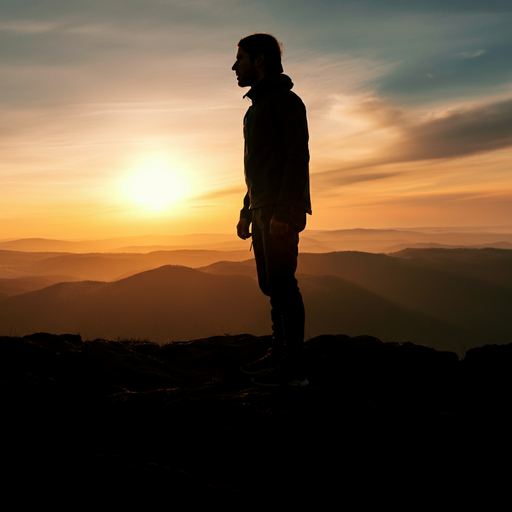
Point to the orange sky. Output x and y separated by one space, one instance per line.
410 122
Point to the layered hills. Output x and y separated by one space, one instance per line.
103 266
179 303
164 304
367 240
448 299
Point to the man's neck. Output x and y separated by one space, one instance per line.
261 75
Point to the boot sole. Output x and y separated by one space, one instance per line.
259 372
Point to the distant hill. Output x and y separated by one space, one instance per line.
389 240
337 306
489 265
241 268
368 240
104 266
168 303
468 288
443 298
21 285
179 303
194 241
400 247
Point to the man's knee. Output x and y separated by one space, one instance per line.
285 296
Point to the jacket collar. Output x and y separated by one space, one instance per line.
269 84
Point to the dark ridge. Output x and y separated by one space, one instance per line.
135 422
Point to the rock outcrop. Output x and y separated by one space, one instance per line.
127 420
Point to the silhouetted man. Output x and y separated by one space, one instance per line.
276 161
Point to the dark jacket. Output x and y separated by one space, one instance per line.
276 154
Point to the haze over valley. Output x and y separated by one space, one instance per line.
449 299
367 240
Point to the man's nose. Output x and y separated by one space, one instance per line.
233 67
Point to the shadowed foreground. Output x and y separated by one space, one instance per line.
180 422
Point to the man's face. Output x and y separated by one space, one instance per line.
245 69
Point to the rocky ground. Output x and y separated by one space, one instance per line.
120 421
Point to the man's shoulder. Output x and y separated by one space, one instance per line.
292 97
287 100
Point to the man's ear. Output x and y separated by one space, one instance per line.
259 60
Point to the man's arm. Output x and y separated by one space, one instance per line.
242 228
294 130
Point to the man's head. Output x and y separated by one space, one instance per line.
258 55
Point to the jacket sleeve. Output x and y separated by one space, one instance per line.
293 128
245 213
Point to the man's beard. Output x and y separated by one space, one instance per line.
248 80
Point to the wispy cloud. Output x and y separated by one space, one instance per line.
28 26
223 193
459 133
342 177
470 55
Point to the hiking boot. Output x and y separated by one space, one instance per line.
285 374
268 362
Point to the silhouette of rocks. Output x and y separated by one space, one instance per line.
132 420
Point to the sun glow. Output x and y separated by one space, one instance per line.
156 185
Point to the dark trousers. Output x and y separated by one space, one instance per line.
276 262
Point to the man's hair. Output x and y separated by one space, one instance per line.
269 46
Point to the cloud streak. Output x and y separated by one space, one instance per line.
471 55
28 26
459 133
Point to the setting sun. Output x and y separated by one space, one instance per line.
156 186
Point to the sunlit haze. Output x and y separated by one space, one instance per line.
124 118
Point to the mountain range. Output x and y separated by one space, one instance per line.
447 299
317 241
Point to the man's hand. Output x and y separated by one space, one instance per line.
242 229
277 227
